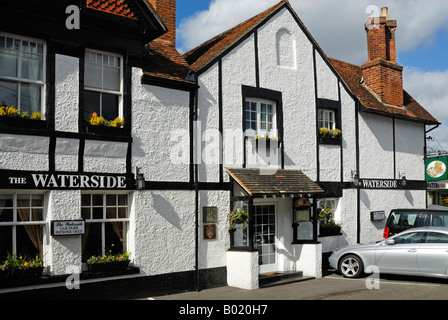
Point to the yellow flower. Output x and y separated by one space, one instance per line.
26 264
117 122
36 116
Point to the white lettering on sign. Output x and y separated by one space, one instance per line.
380 184
78 181
17 180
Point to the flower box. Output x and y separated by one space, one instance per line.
329 231
10 122
108 266
21 274
103 130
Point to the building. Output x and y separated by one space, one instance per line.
245 121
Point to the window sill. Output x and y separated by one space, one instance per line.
330 140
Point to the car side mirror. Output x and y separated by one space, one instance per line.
389 242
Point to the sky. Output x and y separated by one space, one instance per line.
338 27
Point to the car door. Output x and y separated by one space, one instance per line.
401 255
432 257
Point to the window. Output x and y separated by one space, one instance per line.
414 237
103 85
21 224
22 73
436 237
260 116
327 119
107 220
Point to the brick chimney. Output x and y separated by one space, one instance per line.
381 72
166 9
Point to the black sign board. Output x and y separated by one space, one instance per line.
63 180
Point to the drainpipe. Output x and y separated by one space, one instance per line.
196 180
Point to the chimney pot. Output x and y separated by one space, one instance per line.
384 12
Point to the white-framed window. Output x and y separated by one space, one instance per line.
260 116
107 220
103 84
21 224
22 73
327 119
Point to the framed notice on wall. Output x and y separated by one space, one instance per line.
209 221
68 227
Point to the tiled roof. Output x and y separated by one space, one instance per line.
282 182
202 55
165 62
352 76
117 7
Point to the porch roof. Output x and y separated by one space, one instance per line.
283 181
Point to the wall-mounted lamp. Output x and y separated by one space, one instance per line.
403 179
355 178
140 179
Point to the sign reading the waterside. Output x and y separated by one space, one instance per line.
63 181
379 184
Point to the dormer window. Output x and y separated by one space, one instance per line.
103 88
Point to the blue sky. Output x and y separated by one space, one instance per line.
338 27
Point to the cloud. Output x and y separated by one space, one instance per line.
220 16
429 89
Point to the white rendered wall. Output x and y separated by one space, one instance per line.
409 144
105 156
208 115
160 131
296 82
162 231
212 253
376 156
63 253
242 269
21 152
66 93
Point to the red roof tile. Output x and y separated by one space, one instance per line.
117 7
352 75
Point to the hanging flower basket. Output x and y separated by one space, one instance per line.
237 217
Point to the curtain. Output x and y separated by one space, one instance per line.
117 226
34 232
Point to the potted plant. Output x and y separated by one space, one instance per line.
19 267
237 217
329 228
111 262
335 133
267 139
100 125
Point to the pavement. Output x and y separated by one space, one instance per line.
330 287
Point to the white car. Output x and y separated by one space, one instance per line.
417 251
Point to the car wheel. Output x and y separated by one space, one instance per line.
351 266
